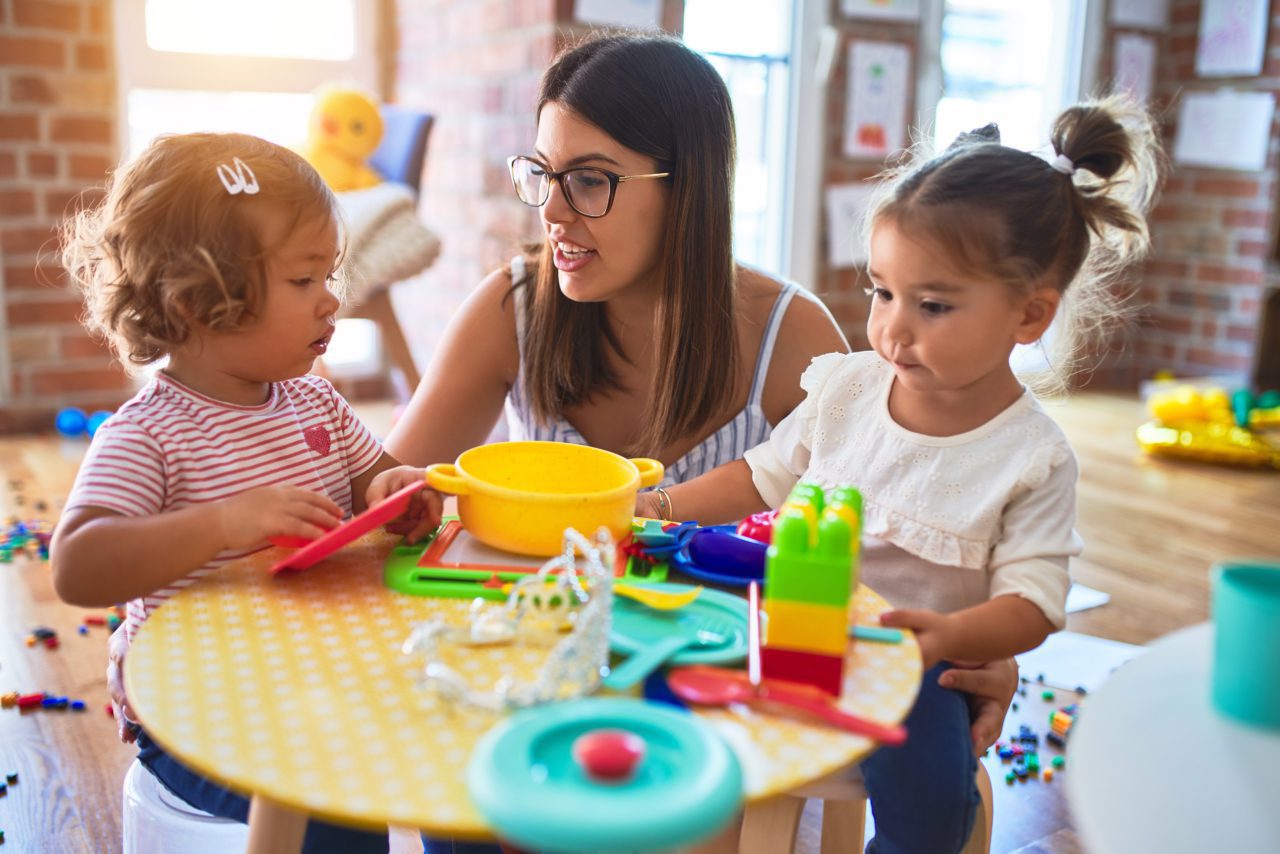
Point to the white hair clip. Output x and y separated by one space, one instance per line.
1062 163
238 177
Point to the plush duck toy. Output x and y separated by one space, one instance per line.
344 129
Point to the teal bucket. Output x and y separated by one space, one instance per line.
1246 655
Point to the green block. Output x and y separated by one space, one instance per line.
821 574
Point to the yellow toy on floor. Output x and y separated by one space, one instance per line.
344 129
1211 426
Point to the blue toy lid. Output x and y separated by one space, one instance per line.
525 782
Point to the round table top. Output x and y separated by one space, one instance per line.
1154 767
294 686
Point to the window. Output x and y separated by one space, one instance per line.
1015 62
243 65
749 43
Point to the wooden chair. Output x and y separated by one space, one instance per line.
773 826
400 157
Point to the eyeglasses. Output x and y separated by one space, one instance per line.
588 190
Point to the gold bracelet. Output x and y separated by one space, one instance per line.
664 504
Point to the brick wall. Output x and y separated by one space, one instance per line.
1212 237
57 136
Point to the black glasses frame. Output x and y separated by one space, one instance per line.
551 175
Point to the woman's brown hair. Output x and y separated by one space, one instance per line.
659 98
172 247
1072 223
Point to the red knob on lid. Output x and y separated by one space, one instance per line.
609 755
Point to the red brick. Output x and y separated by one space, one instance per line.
1228 187
30 51
42 164
30 89
1251 249
1228 275
61 381
19 126
46 15
81 129
1245 219
31 313
15 203
1236 332
98 19
92 166
8 165
59 202
19 240
91 57
83 346
24 277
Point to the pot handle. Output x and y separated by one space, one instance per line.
444 477
651 471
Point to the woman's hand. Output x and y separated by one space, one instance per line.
426 506
991 687
117 647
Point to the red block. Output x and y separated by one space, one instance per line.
824 672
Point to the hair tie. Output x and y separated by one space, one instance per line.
1062 163
237 177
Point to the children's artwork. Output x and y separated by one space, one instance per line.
876 110
846 208
888 10
1233 36
1135 65
1152 14
620 13
1224 130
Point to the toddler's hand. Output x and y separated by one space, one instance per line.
117 647
249 518
425 507
932 631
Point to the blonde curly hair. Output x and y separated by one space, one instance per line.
171 249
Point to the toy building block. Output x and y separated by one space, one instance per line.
810 668
804 626
821 575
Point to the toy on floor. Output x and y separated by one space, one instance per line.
1208 425
811 572
344 129
73 422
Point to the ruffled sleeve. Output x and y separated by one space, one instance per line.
778 462
1038 536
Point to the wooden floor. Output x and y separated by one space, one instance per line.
1152 529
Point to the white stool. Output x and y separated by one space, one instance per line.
156 821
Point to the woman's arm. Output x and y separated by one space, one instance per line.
461 394
807 331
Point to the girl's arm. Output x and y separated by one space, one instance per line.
461 394
360 483
998 628
724 494
100 557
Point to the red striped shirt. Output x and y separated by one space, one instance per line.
171 447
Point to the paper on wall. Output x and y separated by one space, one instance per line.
1135 63
876 108
846 208
890 10
1153 14
645 14
1233 37
1224 130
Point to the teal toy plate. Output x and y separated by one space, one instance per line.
637 627
523 779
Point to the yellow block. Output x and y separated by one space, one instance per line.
807 627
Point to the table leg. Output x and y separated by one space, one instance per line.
770 826
274 828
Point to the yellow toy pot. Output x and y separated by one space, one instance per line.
520 496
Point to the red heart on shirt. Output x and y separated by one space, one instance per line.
317 439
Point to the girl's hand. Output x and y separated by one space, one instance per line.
249 518
990 687
932 630
425 507
117 647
